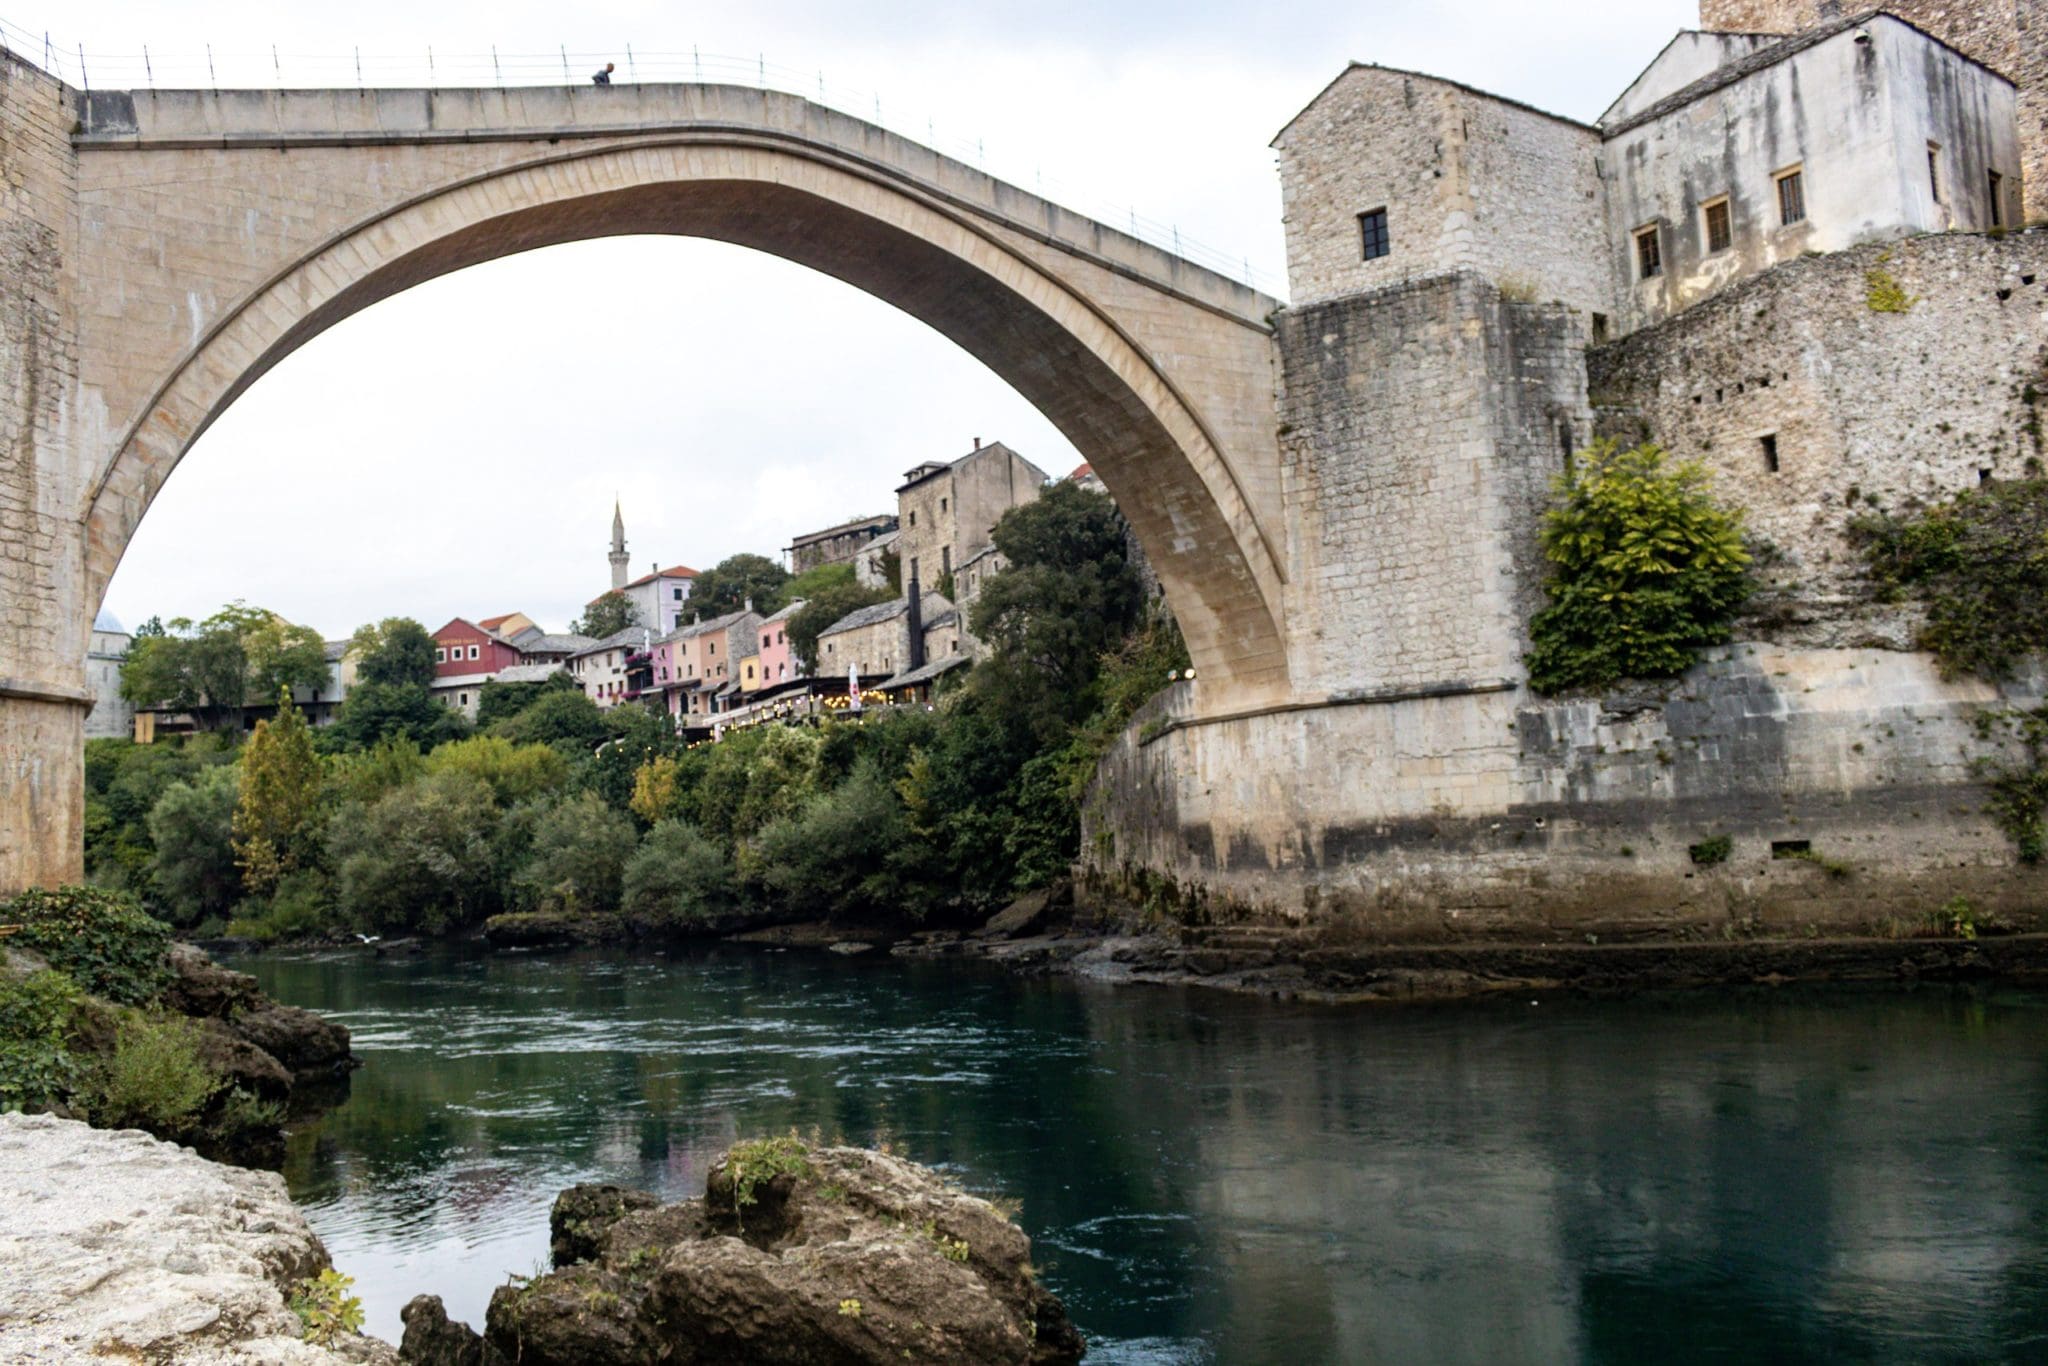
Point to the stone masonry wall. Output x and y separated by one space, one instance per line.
2010 36
1420 426
1468 180
1867 409
1502 815
42 635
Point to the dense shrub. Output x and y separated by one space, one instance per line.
299 906
677 877
36 1067
123 782
1647 569
579 853
755 778
834 858
192 826
1979 562
513 772
104 941
555 717
153 1079
420 857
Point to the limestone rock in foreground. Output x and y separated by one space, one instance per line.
843 1255
118 1246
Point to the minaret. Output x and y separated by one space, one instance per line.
618 555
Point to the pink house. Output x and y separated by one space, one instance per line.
694 664
778 664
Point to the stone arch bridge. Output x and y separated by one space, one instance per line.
163 249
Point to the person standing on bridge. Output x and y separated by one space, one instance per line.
604 77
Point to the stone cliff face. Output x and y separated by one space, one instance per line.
117 1245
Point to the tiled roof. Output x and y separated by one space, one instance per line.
926 673
628 637
528 673
840 530
699 628
674 571
866 616
549 644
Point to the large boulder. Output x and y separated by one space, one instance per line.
203 988
583 1216
120 1247
432 1340
795 1254
302 1041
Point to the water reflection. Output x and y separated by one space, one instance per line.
1779 1176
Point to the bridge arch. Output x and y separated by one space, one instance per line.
1151 429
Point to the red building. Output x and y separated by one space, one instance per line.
463 648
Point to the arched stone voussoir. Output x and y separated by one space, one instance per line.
968 277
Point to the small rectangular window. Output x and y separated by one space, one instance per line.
1372 229
1649 259
1720 231
1770 448
1934 170
1997 200
1791 198
472 652
441 656
1599 328
942 505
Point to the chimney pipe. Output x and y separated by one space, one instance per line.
914 619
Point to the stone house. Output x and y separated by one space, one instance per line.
1729 154
836 544
945 511
879 642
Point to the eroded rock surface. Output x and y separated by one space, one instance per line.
822 1255
118 1246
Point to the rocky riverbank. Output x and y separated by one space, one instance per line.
1303 964
118 1246
797 1253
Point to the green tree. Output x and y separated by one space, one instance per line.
1067 597
1646 569
193 829
513 772
734 581
395 650
500 701
823 608
420 857
280 791
579 852
835 856
606 616
678 877
561 716
815 580
375 712
757 777
213 668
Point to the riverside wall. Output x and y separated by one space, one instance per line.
1501 814
1425 792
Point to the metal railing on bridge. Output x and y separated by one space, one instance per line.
275 68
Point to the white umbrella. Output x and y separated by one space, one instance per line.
853 686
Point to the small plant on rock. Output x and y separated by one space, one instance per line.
755 1163
1958 918
325 1307
104 941
1710 851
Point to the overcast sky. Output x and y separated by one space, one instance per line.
455 450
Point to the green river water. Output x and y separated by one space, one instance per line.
1788 1176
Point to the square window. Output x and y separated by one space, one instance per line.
1649 259
1372 231
1720 230
1791 198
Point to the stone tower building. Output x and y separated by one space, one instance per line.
2009 36
618 555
